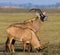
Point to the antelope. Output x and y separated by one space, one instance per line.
25 32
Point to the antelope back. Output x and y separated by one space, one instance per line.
19 33
33 24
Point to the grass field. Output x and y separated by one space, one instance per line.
49 31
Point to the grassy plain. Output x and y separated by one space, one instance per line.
49 31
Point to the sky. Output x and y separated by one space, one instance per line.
38 2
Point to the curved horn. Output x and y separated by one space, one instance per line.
32 9
36 10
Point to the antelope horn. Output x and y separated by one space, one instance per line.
36 10
32 9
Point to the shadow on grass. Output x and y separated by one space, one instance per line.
18 50
52 49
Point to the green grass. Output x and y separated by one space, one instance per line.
49 31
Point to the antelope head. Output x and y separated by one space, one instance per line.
41 15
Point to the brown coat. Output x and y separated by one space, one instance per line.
24 34
33 24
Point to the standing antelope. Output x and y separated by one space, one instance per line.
25 32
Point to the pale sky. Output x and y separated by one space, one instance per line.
39 2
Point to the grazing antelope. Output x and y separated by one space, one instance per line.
25 32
